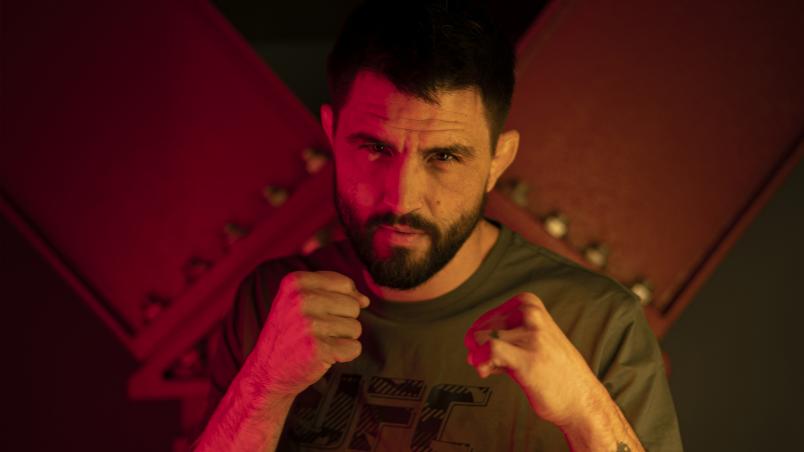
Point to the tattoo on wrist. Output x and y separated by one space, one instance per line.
622 447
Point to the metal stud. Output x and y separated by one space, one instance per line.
276 196
153 306
556 224
195 268
319 239
314 160
233 232
644 290
596 254
516 190
189 365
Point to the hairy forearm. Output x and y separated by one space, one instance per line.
604 428
248 418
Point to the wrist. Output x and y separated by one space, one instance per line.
258 386
594 423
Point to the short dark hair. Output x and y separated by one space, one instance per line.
423 47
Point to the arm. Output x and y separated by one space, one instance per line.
312 324
603 428
250 416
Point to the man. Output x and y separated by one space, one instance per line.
432 328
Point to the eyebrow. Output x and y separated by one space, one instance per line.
455 148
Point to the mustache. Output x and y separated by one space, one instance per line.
411 220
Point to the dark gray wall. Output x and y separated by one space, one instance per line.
736 351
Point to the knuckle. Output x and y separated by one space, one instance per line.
533 316
346 349
529 339
323 352
291 285
495 346
342 280
356 347
354 308
357 328
312 326
292 279
307 300
532 299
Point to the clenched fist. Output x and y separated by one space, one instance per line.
311 326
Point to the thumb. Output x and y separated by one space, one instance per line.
502 356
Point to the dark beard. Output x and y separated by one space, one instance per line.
401 271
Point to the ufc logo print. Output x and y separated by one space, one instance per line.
326 421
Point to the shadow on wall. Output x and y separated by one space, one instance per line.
66 372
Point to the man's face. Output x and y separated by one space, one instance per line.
411 177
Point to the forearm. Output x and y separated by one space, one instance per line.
248 418
605 428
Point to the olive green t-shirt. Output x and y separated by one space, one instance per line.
412 389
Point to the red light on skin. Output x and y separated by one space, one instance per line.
399 155
386 238
399 236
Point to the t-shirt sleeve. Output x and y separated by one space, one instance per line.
637 382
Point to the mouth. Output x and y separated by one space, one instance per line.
399 229
399 236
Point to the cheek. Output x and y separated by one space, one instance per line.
454 194
365 195
356 188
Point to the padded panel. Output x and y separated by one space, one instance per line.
651 126
134 139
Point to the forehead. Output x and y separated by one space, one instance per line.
375 103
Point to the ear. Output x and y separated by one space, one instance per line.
507 146
327 122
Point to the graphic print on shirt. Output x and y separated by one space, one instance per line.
325 421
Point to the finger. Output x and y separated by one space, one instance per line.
511 317
332 326
503 357
335 326
534 314
509 314
320 302
332 281
343 284
530 299
533 318
344 350
479 354
495 318
518 336
487 369
522 337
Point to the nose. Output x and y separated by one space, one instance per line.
403 185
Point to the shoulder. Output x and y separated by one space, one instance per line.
599 315
565 281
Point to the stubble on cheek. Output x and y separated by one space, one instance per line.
364 195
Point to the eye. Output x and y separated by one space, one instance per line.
445 157
377 148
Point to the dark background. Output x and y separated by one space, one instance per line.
735 353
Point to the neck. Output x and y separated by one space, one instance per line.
456 272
